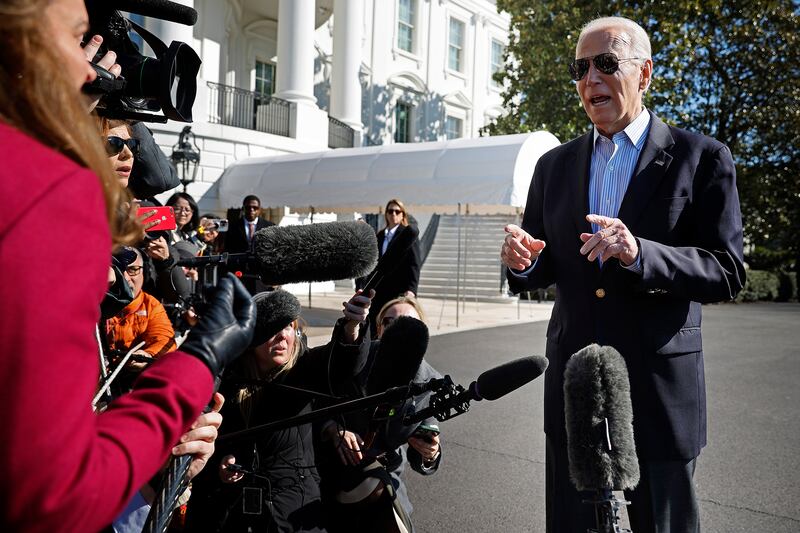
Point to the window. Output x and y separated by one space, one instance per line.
265 78
402 123
405 25
497 58
452 127
455 47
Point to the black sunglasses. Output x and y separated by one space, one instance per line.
115 145
607 63
395 211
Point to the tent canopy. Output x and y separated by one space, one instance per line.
482 171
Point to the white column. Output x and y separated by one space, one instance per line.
348 16
295 75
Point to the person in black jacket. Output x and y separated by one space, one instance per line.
403 278
280 490
240 235
240 238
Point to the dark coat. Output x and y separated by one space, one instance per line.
683 207
404 277
236 239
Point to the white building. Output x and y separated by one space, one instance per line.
296 76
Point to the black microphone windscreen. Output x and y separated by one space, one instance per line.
160 9
501 380
400 353
315 252
596 388
274 311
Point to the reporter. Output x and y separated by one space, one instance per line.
285 483
65 468
355 493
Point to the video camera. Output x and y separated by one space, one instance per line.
147 85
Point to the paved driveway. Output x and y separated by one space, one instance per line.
747 478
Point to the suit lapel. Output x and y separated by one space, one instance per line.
650 169
579 161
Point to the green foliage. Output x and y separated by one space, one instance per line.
760 285
729 69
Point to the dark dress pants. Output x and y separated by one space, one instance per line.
663 502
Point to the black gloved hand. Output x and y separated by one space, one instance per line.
226 328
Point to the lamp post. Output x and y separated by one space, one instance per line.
186 157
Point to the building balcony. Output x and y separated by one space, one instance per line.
232 106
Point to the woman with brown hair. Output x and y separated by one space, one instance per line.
404 277
65 468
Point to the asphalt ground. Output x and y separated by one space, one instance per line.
492 475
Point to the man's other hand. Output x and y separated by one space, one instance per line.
613 240
520 249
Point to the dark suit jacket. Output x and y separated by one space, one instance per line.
683 207
236 239
406 276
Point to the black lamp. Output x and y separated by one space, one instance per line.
186 157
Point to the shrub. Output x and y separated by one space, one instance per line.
760 285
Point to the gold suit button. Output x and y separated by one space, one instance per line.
600 293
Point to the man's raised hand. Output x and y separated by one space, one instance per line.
520 249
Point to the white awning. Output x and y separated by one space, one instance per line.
482 171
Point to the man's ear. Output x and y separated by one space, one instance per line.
646 75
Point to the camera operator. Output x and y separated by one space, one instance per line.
65 468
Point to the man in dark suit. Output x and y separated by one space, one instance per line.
240 234
240 238
637 223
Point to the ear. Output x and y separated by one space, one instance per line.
645 75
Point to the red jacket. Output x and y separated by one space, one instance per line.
63 467
144 319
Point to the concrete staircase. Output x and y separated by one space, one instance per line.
476 270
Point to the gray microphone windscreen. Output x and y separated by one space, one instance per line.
274 311
510 376
596 389
315 252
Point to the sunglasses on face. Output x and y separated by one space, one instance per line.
115 145
394 211
607 63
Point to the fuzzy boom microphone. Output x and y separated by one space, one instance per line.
315 252
599 424
295 254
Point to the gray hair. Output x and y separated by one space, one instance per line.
634 36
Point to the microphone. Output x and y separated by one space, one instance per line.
491 385
160 9
313 252
599 425
400 352
274 311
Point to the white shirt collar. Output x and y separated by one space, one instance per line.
634 130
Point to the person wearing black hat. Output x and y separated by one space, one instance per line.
280 492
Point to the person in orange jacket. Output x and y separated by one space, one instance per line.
144 319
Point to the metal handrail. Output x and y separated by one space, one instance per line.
340 135
233 106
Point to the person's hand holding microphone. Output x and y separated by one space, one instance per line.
520 249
